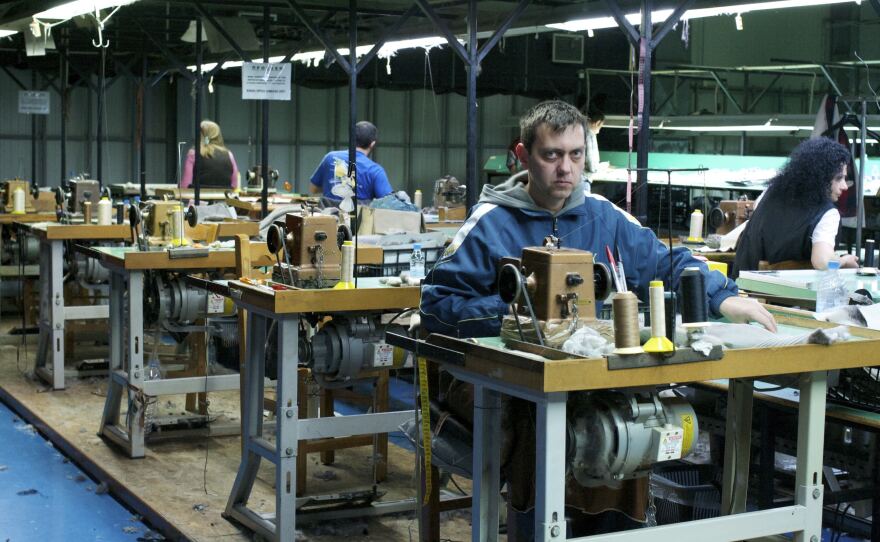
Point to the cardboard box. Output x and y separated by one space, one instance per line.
373 221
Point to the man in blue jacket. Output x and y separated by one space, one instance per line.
459 295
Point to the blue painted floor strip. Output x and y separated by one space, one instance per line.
45 497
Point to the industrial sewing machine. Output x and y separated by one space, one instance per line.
311 247
163 222
729 214
80 190
255 179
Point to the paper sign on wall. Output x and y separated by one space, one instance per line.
265 81
33 102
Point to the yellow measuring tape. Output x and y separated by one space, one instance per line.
425 404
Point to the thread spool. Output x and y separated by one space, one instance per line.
120 213
694 306
658 341
347 271
869 253
105 210
87 212
18 205
177 226
625 308
417 199
695 233
670 309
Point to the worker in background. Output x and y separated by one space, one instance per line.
592 164
459 296
372 181
795 218
217 168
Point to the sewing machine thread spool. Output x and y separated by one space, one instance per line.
695 233
87 212
417 199
105 209
693 296
18 204
625 307
658 341
177 226
120 213
346 281
869 253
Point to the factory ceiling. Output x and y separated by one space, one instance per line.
156 30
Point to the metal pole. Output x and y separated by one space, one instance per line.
100 132
33 132
860 202
352 111
197 112
264 105
143 120
643 145
64 77
473 70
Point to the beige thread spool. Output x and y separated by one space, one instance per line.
87 212
625 308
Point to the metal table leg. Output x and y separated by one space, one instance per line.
110 416
135 348
550 468
486 462
50 352
287 428
811 440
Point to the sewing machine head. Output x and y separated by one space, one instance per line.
561 282
163 222
729 214
449 192
311 256
82 190
8 188
255 179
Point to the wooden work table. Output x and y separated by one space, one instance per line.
133 259
9 218
496 372
370 294
52 231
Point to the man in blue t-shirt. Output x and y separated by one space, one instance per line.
372 182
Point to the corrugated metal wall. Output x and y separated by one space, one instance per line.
421 135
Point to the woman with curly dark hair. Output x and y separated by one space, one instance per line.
795 218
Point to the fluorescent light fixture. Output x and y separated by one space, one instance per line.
312 58
79 7
733 124
597 23
4 33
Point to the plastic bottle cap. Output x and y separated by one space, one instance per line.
417 246
833 264
656 283
347 243
697 212
105 198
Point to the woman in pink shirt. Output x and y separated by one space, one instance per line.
217 168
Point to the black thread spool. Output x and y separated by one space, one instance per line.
869 253
670 302
694 306
120 213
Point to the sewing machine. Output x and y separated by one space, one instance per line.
561 282
81 190
163 222
310 244
7 192
255 179
729 214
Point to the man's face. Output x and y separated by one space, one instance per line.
838 184
555 165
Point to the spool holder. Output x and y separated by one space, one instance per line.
680 355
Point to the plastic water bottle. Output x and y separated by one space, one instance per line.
832 291
417 262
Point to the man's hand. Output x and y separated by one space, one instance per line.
745 310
